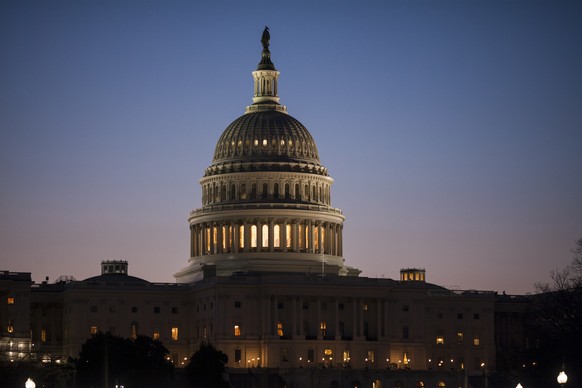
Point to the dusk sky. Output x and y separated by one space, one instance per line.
453 129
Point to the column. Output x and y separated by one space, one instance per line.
219 237
272 236
310 237
259 235
294 236
320 248
284 235
235 236
247 236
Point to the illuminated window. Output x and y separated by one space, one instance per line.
207 240
365 307
237 355
288 236
460 337
10 300
328 353
93 330
441 384
174 333
10 327
224 236
253 236
440 340
236 330
371 356
346 356
323 240
316 238
215 236
476 341
285 355
133 331
323 327
241 236
156 335
265 237
280 332
405 359
277 236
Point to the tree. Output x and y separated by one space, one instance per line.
207 366
555 324
108 360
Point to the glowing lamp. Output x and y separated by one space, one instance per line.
562 378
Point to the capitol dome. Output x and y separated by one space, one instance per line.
266 197
270 140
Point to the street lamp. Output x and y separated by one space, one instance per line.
29 383
562 378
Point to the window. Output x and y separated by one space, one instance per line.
156 335
310 355
476 316
440 340
340 306
156 310
174 333
405 307
10 327
265 236
277 236
365 307
241 236
237 304
134 309
43 335
323 328
460 337
280 331
440 315
280 305
346 356
253 236
476 341
370 356
174 310
94 309
288 236
405 333
133 331
236 330
323 306
93 330
284 355
305 306
237 355
10 300
460 316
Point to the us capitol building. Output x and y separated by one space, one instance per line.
267 283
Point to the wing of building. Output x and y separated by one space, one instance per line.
266 282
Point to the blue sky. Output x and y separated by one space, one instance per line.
453 129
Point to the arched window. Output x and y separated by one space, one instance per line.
254 236
287 193
241 236
253 191
265 232
277 236
265 191
223 193
441 384
232 192
307 192
237 330
243 191
276 191
297 193
300 235
288 236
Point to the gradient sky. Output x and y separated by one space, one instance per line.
453 129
